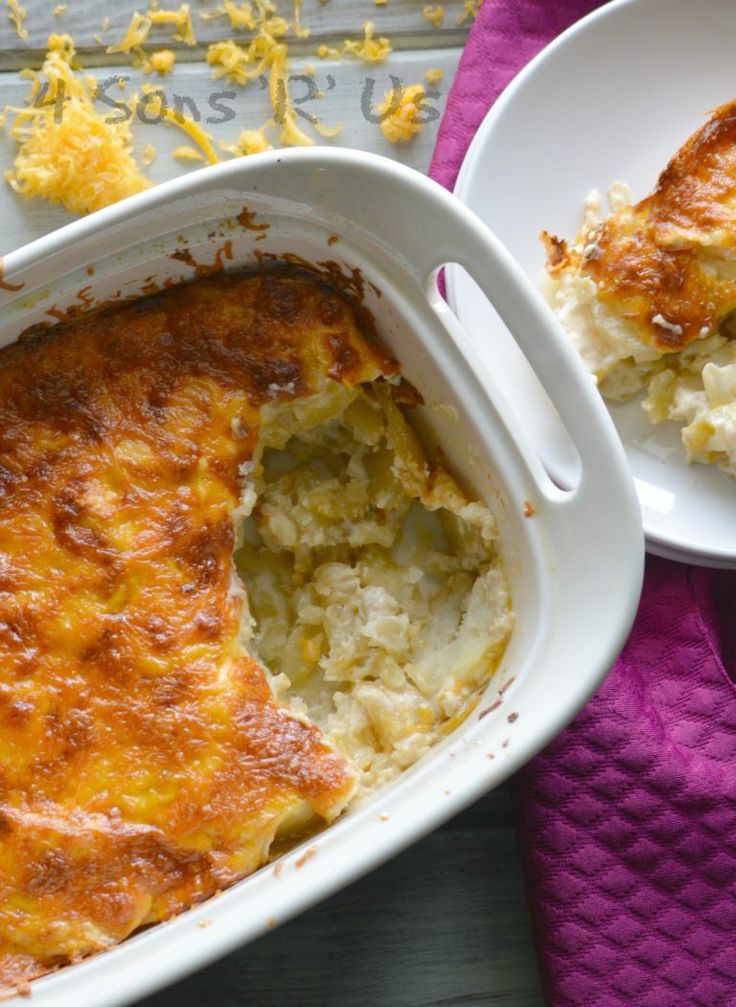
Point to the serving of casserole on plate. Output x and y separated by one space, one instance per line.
271 559
648 293
644 285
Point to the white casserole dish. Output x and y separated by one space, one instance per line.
573 556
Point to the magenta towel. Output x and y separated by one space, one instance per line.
628 820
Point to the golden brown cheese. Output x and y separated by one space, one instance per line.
144 763
658 264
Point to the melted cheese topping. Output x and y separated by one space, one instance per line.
648 293
145 762
148 756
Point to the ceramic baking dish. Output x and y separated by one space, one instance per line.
573 554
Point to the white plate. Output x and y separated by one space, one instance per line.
571 618
611 99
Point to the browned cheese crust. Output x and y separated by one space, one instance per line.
662 258
143 761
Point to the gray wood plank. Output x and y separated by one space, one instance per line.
401 20
444 923
23 220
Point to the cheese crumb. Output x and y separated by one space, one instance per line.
157 108
240 17
241 64
140 26
61 8
162 61
17 15
135 35
470 11
251 141
369 49
434 76
149 154
181 19
435 15
186 153
401 120
297 26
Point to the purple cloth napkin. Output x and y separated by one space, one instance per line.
628 820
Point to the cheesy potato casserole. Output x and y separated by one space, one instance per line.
236 595
648 293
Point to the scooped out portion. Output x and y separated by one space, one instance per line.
376 595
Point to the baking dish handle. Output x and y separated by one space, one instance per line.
570 387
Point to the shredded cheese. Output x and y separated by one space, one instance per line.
156 108
369 49
61 8
470 11
17 15
181 19
70 153
278 89
435 15
241 64
434 75
263 17
299 30
135 35
402 120
85 162
251 141
186 153
138 30
245 17
241 17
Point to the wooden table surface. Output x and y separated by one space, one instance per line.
445 922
